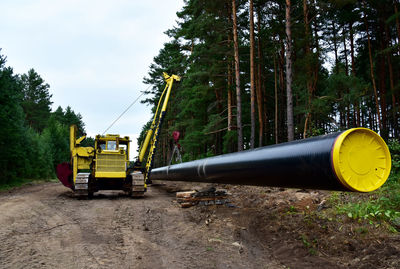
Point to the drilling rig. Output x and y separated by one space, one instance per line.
106 166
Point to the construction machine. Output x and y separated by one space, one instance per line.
106 166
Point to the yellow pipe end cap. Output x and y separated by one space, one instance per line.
361 160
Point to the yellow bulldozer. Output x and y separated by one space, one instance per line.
106 166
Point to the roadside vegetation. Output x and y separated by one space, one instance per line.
33 139
379 208
18 182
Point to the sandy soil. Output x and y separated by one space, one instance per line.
46 226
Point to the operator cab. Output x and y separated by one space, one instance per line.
112 143
109 145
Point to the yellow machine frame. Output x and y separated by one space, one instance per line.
95 165
81 157
111 162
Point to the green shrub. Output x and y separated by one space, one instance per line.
383 208
381 205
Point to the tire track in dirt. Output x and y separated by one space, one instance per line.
45 226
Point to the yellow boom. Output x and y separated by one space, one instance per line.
152 133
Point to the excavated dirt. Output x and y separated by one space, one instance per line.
46 226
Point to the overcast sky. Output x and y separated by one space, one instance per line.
93 53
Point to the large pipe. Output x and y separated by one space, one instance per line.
354 160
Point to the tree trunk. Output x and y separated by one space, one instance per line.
276 101
259 90
335 47
315 68
252 88
371 64
309 70
218 143
391 82
397 22
382 79
346 69
282 108
348 116
353 63
353 70
237 79
289 96
229 78
362 115
229 97
371 118
229 85
346 62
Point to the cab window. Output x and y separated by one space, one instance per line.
111 145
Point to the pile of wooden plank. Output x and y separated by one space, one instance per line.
206 197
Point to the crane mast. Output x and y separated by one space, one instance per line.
151 140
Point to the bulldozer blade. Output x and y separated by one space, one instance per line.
64 174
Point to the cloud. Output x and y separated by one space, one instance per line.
93 53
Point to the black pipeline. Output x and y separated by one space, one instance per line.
354 160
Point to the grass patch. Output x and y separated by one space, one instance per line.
382 208
310 245
20 182
379 207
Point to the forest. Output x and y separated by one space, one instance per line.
33 140
254 73
259 72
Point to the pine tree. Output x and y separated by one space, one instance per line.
30 146
36 100
12 132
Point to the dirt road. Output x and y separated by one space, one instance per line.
45 226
